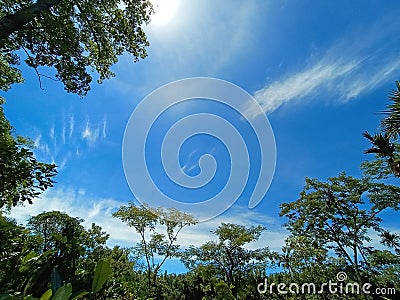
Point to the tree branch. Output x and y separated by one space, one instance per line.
12 23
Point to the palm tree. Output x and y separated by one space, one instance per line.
391 123
383 147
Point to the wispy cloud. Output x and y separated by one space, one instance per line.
52 132
63 135
302 84
104 131
71 126
190 166
64 142
355 65
90 133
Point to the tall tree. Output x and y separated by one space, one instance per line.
76 37
62 233
73 247
12 244
391 121
385 144
154 246
340 215
387 155
229 254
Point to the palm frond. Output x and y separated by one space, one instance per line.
381 144
391 123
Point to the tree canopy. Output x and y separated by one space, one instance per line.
340 215
154 246
229 257
77 38
22 177
385 144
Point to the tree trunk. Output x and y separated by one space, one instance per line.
12 23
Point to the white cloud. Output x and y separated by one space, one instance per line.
90 134
63 135
76 204
71 126
52 132
63 164
99 211
104 131
302 84
273 237
355 65
47 149
37 141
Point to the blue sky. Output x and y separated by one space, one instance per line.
320 70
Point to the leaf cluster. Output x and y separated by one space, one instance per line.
76 38
22 176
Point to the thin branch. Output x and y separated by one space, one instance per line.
34 67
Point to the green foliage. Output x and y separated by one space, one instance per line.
101 274
47 295
9 74
337 215
152 243
377 169
385 145
228 256
12 239
22 177
64 292
391 122
49 253
76 37
125 283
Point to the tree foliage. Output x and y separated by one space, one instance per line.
22 177
391 121
385 144
71 244
334 226
154 246
341 215
229 256
52 250
75 37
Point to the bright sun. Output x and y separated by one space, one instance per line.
164 11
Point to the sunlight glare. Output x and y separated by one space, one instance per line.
164 11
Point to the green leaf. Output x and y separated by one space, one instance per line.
30 297
64 292
79 294
47 295
101 274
